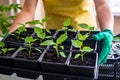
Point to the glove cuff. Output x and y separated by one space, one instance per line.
109 31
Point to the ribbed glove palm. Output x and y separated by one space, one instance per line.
107 37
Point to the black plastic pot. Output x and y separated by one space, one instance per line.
110 70
6 59
26 74
54 67
21 59
88 67
60 66
23 62
6 71
12 40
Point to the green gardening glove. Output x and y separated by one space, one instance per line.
107 37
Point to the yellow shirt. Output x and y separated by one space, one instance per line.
79 11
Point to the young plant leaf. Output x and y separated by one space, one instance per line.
2 44
77 56
84 26
4 50
62 38
62 47
38 30
48 43
62 54
77 43
34 22
87 27
67 22
29 39
86 49
82 37
45 19
21 29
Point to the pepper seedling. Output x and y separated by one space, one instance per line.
18 32
83 49
29 42
3 49
56 44
39 29
66 26
5 17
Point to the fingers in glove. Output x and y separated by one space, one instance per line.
105 51
99 36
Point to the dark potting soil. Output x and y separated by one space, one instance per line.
14 39
52 57
8 54
86 61
34 55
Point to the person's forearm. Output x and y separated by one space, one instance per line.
27 14
104 14
21 18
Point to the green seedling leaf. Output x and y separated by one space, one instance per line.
22 48
62 47
92 28
10 49
77 56
87 27
116 38
72 30
84 26
22 28
62 54
86 49
38 30
33 22
82 37
77 43
38 50
67 22
45 19
48 43
4 50
62 38
41 35
48 31
48 37
29 39
2 44
55 47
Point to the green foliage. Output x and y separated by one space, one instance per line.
57 44
87 27
5 18
66 26
29 42
83 49
39 28
116 38
82 37
20 30
3 49
79 42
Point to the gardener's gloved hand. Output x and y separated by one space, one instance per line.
107 37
